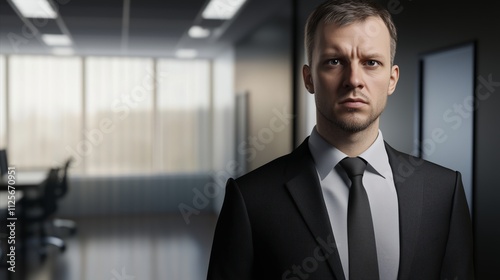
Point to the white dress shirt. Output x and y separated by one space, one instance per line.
379 184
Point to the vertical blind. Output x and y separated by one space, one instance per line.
44 108
3 105
119 114
113 115
183 115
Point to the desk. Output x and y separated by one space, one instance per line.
4 198
25 179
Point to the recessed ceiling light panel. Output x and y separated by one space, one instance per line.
35 8
222 9
198 32
56 40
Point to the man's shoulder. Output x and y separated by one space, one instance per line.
271 171
280 169
405 165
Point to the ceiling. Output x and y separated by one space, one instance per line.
152 28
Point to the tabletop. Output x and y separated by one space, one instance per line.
23 179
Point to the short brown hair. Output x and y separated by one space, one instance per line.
344 12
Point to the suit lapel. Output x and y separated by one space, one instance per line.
409 187
305 191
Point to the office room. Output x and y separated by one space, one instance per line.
121 122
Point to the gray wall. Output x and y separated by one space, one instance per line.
263 70
429 25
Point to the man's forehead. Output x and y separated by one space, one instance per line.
368 31
357 38
371 26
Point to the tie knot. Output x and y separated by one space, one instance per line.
353 166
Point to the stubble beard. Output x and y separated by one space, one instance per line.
352 125
348 121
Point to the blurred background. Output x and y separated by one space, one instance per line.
143 109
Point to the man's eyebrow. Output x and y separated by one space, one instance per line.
373 55
338 54
332 53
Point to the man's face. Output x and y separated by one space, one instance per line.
351 73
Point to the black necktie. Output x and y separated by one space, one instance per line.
361 237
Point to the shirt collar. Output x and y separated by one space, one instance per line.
326 156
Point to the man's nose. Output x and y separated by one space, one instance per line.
353 77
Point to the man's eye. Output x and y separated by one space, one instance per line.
333 62
372 63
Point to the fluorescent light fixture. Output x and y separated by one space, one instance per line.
35 8
198 32
222 9
186 53
63 51
56 40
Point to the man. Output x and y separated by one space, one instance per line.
295 217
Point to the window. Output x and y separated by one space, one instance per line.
3 105
45 109
113 115
183 115
119 115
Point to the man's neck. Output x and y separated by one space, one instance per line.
350 143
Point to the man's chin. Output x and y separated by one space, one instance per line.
353 125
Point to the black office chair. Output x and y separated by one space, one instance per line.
61 191
38 211
4 164
63 187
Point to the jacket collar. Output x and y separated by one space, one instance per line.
305 190
409 187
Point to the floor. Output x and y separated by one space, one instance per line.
132 248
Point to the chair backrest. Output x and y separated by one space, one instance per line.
63 186
49 197
4 164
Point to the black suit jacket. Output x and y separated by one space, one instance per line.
274 223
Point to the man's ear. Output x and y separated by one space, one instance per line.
393 79
307 77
